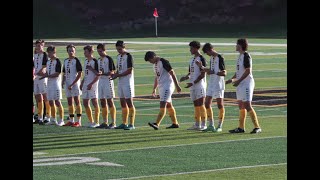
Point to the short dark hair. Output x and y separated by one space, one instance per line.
149 55
88 47
120 43
207 47
101 46
243 43
51 48
70 46
195 44
39 41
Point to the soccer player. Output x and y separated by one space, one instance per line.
106 87
243 80
126 93
54 86
197 86
89 86
32 98
216 86
166 80
40 85
72 71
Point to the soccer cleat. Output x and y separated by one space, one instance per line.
121 126
69 123
202 128
103 125
51 123
41 122
173 126
60 123
210 128
111 126
93 125
76 124
153 125
255 131
36 121
219 129
130 127
237 130
194 127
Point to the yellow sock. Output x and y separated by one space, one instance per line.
221 114
53 111
125 114
71 110
40 110
242 118
89 114
96 114
48 108
254 118
172 114
104 111
61 111
160 116
197 115
78 110
203 113
132 115
113 113
209 113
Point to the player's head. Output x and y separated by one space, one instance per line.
194 46
242 44
88 51
51 50
71 50
39 45
207 49
151 57
120 46
101 48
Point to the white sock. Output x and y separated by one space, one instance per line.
220 124
210 122
197 124
203 123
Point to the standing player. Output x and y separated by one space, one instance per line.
197 86
106 87
166 80
243 80
89 86
54 86
40 85
216 87
125 86
72 71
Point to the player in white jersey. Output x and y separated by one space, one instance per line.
89 86
125 86
72 71
166 80
54 86
197 86
216 86
243 80
40 85
106 88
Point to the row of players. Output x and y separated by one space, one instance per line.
97 83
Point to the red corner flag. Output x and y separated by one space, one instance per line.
155 13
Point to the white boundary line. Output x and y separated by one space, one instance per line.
168 146
203 171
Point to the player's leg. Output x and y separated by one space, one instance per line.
47 106
88 111
201 94
104 112
125 114
95 104
40 103
197 115
173 116
242 118
61 112
132 113
70 110
210 118
250 110
78 111
160 116
113 112
220 105
53 120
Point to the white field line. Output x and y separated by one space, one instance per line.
168 146
203 171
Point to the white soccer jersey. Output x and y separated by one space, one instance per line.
161 69
88 74
40 60
106 65
216 65
53 66
71 68
244 61
195 72
124 62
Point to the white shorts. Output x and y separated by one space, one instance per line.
106 89
125 91
245 92
39 86
90 94
197 94
165 93
75 91
54 93
215 93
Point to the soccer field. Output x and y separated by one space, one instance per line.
143 153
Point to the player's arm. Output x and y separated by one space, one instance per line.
222 68
202 74
112 67
174 78
248 69
63 76
232 79
44 65
96 68
186 77
155 85
79 72
129 66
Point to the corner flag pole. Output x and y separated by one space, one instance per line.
155 19
155 14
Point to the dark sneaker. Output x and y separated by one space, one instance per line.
255 131
103 126
42 122
173 126
154 125
237 130
36 121
121 126
129 127
111 126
